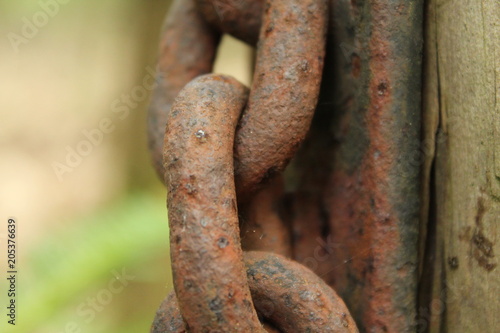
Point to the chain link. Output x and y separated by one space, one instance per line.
284 292
212 123
239 18
187 48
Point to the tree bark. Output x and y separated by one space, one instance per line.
460 283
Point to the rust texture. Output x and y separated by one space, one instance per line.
367 131
207 261
168 318
286 294
239 18
353 210
262 221
284 91
187 50
312 244
294 298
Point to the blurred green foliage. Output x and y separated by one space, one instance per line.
76 259
77 262
87 47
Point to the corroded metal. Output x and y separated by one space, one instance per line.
294 298
286 294
262 221
207 263
284 91
187 50
312 244
239 18
367 130
354 215
168 317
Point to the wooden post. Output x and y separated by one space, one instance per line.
460 284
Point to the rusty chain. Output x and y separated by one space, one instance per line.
220 149
240 18
284 293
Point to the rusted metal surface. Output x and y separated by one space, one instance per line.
353 213
262 221
286 294
239 18
312 245
209 277
277 101
168 317
284 91
369 115
187 50
293 297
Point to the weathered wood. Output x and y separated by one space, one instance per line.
461 282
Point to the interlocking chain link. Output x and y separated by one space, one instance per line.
187 48
284 293
239 18
212 123
207 261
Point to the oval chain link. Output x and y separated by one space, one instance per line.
285 293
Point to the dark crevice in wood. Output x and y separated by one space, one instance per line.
429 261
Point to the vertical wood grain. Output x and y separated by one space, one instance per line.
464 267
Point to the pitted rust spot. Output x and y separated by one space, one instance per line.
216 304
382 88
222 242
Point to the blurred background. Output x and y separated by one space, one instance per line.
92 231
